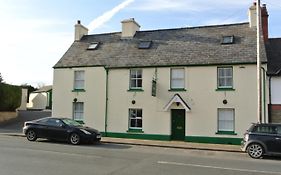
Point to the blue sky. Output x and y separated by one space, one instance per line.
35 34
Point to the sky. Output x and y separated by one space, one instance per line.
35 34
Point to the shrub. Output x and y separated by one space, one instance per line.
10 97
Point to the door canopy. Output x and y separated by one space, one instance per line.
177 99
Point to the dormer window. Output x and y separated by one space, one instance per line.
93 46
227 39
145 44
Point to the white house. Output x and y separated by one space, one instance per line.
40 99
194 84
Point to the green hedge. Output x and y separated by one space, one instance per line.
10 97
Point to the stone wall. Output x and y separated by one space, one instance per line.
5 116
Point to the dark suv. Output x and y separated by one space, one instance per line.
262 139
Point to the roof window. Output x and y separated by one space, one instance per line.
93 46
145 44
227 39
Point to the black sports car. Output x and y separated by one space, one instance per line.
62 129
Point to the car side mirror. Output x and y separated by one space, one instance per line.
62 125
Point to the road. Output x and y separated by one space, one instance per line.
15 125
21 157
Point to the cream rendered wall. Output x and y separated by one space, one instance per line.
37 100
275 90
93 97
201 96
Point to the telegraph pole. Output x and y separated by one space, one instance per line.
259 109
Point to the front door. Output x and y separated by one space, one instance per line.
178 124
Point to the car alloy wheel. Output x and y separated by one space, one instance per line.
255 150
31 135
74 139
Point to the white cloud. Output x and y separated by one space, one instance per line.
101 20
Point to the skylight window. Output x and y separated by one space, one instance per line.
227 39
93 46
145 44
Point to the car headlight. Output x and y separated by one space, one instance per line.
86 132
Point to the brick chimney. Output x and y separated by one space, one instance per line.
80 31
129 28
264 21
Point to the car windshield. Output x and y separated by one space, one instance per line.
71 122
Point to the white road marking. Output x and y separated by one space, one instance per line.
215 167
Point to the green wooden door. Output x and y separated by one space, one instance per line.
178 124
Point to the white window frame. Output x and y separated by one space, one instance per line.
135 79
133 111
229 120
79 79
224 77
173 79
78 111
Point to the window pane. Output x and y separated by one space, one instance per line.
135 118
79 79
177 84
133 83
177 73
226 119
78 111
139 83
133 74
225 78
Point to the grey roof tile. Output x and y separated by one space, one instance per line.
273 48
182 46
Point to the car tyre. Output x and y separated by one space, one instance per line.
74 139
31 135
255 150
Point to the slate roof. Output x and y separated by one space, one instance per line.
181 46
273 48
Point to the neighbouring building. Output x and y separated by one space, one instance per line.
194 84
273 48
40 99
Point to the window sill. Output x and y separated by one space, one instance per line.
226 133
130 130
78 90
135 90
225 89
181 89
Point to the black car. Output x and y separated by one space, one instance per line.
61 129
262 139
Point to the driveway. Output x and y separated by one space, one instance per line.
15 125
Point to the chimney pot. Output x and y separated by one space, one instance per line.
78 22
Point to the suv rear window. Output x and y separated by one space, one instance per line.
265 129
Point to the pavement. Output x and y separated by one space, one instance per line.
14 128
156 143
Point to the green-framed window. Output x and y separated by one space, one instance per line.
79 79
135 119
177 78
225 77
136 79
226 120
78 111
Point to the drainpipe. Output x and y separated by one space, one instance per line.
269 109
106 103
264 92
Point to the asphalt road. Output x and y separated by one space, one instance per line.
21 157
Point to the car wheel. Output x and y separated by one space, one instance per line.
31 135
74 139
255 150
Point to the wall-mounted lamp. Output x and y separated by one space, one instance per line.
133 102
224 101
178 103
75 100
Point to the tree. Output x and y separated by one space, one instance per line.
1 79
